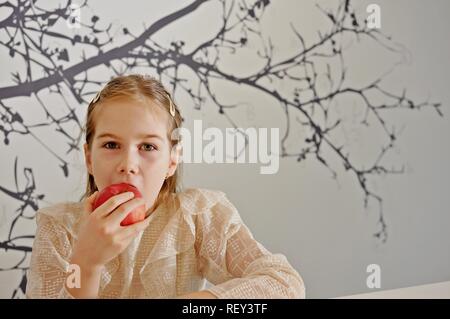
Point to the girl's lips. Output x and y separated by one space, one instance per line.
128 183
131 184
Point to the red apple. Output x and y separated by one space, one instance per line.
136 215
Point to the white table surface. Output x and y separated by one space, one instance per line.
440 290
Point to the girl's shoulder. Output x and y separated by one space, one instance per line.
64 213
208 212
202 201
61 210
197 200
200 197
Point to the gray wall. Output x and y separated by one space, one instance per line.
318 222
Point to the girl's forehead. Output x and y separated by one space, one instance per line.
129 115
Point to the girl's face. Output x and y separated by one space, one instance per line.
130 145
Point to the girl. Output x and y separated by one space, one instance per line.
188 237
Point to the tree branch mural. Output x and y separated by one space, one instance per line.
55 67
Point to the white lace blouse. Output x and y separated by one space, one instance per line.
196 235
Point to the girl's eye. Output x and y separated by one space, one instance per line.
109 143
145 147
148 147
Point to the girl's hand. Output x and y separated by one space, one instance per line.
100 236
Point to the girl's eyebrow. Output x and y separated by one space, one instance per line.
141 136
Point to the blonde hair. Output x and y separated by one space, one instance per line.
137 87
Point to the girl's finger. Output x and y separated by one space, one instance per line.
112 203
120 213
89 202
133 230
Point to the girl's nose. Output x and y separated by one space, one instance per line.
128 164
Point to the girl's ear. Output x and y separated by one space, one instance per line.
174 159
87 158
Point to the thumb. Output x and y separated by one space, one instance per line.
89 202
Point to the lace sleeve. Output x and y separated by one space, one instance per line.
236 264
48 265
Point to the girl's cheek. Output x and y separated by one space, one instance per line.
104 156
155 163
153 156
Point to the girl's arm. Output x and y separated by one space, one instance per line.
89 280
236 264
100 239
49 260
